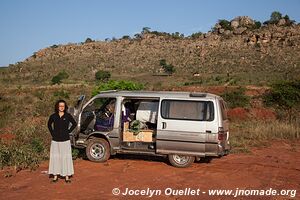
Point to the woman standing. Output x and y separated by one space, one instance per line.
61 162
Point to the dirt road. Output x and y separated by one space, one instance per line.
276 167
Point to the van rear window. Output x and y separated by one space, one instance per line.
187 110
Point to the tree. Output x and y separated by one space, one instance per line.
89 40
146 30
275 17
102 75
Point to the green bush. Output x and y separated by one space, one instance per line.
37 145
284 95
256 25
117 85
145 30
21 156
57 79
54 46
126 37
177 35
75 153
89 40
196 35
168 68
236 98
276 16
102 75
63 74
225 24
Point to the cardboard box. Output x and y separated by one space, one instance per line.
142 136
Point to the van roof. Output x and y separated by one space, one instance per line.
158 94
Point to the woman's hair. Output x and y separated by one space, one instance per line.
57 104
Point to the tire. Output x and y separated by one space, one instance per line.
98 150
180 160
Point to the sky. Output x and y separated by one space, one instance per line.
29 25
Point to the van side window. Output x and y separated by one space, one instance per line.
223 110
187 110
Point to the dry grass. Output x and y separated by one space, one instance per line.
245 135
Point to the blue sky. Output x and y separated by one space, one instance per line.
29 25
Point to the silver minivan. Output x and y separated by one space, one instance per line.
183 126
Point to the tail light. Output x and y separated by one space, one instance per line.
221 133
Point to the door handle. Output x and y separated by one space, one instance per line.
208 131
164 125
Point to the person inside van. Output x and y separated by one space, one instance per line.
105 118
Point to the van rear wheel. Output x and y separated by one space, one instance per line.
98 150
181 161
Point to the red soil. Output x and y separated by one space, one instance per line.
274 167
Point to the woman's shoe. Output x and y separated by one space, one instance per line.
67 180
54 180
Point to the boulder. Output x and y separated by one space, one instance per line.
244 21
234 24
239 30
252 40
221 30
227 32
281 22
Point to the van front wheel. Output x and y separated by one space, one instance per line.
180 160
98 150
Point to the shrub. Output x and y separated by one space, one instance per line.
54 46
126 37
168 68
20 156
37 145
225 24
63 74
177 35
196 35
89 40
145 30
275 17
236 98
102 75
75 153
117 85
57 79
256 25
284 95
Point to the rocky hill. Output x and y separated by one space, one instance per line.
239 47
